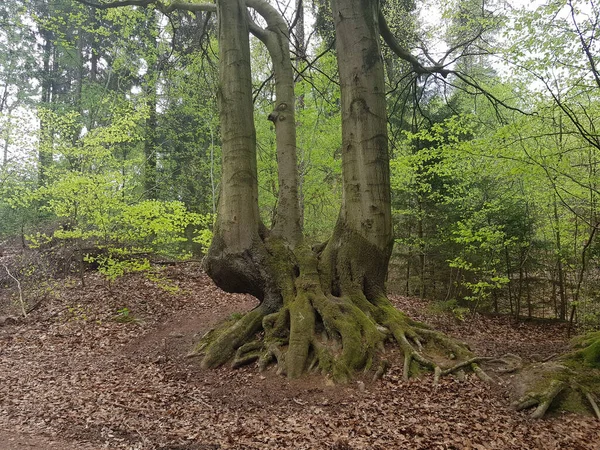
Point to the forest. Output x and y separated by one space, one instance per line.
290 224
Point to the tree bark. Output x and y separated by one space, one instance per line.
45 147
361 245
236 259
150 88
288 223
322 308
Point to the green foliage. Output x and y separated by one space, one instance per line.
94 195
113 267
124 315
481 250
188 129
456 208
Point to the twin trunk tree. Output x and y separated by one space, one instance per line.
323 307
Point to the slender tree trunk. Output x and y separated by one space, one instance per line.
150 144
213 187
45 145
408 264
299 35
421 237
528 295
562 312
151 138
5 111
520 285
7 131
276 38
509 276
300 43
93 51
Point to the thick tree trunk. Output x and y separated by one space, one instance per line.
237 259
326 307
359 251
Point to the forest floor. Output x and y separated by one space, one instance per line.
79 374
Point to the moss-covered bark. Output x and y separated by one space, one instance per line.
333 317
571 383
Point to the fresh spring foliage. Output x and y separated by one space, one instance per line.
94 197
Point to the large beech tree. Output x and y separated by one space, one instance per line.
322 307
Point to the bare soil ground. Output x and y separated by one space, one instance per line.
77 374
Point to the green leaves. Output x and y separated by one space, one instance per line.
95 194
457 208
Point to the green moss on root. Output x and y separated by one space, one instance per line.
227 338
333 315
571 384
589 349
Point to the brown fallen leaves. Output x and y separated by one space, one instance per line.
70 371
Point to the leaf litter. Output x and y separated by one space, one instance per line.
73 376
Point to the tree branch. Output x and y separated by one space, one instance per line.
403 53
438 68
183 6
117 4
21 301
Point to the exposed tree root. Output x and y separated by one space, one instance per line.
222 343
542 399
593 403
570 384
338 335
334 336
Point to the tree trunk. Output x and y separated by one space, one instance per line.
509 276
288 222
562 312
45 146
236 258
361 245
324 307
151 84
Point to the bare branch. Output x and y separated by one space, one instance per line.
117 4
585 46
403 53
21 301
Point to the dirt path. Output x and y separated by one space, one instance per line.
79 369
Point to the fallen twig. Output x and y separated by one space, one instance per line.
23 311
